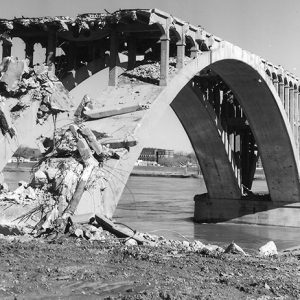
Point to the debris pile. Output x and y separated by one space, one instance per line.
147 71
27 85
72 163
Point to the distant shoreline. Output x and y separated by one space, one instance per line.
138 171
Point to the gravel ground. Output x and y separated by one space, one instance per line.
75 268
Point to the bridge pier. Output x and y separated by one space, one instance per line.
257 209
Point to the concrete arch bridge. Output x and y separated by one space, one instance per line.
234 106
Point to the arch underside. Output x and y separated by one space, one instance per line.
200 125
267 122
265 114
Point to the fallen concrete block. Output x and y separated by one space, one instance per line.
78 232
118 230
101 113
197 245
234 249
131 242
40 178
91 139
117 144
12 70
269 249
82 219
86 103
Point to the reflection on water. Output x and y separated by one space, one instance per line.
165 206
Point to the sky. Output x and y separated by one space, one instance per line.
268 28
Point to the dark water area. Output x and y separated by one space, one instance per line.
165 206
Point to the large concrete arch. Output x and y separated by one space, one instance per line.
244 73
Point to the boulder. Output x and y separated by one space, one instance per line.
40 178
234 249
208 249
78 232
269 249
51 173
12 70
197 245
131 242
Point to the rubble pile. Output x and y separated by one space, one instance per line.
27 85
72 163
147 71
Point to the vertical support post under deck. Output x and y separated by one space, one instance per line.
131 53
275 83
291 107
287 100
180 55
113 59
296 117
298 124
281 91
164 60
195 51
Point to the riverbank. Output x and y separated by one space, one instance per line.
170 172
75 268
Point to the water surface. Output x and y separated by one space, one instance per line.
165 206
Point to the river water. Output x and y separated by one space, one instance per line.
164 206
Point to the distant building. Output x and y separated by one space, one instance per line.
155 154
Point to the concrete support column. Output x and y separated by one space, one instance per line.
164 59
6 47
180 55
131 53
287 100
51 50
296 117
195 51
275 83
291 107
281 91
113 59
29 50
298 124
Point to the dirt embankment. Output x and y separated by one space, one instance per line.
76 268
